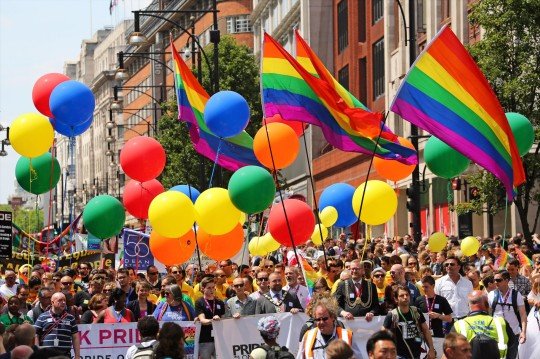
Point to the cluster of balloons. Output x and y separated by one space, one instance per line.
64 106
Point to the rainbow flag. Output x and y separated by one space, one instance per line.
231 153
446 94
501 260
523 259
311 62
290 90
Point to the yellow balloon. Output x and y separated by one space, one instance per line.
328 216
31 135
243 218
380 202
268 243
254 247
469 246
316 235
216 214
171 214
437 242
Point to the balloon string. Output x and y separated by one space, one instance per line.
215 163
367 178
49 219
195 233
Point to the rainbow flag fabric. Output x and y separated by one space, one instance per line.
290 90
446 94
501 260
231 153
523 259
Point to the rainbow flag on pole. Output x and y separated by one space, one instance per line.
230 153
501 260
523 259
290 90
446 94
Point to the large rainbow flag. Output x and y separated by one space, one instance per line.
311 62
230 153
446 94
290 90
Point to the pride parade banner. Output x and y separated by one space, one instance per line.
111 341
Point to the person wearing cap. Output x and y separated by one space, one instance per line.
378 275
269 329
174 308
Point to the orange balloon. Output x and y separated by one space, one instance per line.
223 246
171 251
392 169
283 145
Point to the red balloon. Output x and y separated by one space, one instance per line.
42 91
142 158
139 195
222 246
297 126
300 218
171 251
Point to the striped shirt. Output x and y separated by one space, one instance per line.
62 332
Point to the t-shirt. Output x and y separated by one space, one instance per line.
168 313
60 337
407 333
210 308
440 306
504 308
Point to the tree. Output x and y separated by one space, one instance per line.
29 220
238 71
509 56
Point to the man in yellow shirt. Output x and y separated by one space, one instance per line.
180 274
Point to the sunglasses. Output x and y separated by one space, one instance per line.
321 319
238 285
167 294
378 275
270 266
175 272
498 280
66 283
264 279
451 264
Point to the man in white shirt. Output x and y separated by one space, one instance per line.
9 288
301 291
454 287
503 302
149 328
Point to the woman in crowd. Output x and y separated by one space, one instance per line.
97 304
321 286
174 308
208 309
117 311
142 306
170 342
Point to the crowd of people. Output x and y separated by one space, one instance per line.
421 294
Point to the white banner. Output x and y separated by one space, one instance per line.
236 338
111 341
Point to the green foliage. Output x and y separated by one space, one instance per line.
509 56
29 220
238 71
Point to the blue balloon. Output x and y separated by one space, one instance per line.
72 102
188 190
226 114
339 196
71 130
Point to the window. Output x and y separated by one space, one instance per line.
343 25
362 74
361 24
378 68
237 24
377 11
343 77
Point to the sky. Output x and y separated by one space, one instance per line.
36 38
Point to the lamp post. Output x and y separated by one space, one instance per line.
5 142
137 38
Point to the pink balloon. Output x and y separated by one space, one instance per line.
138 196
297 126
142 158
42 91
300 218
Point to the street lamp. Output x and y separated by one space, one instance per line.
138 38
121 72
5 142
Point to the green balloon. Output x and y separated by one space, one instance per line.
104 216
443 160
252 189
39 174
523 131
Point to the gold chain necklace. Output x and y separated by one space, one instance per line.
358 301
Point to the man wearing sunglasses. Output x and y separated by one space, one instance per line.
316 340
152 275
262 283
240 304
454 287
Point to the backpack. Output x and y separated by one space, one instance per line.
273 353
145 352
514 304
482 345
